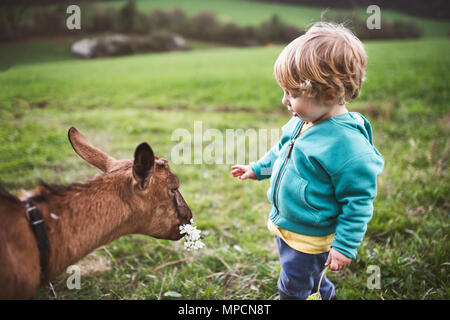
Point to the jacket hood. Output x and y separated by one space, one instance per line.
356 121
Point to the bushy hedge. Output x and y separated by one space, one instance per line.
437 9
389 30
43 21
204 26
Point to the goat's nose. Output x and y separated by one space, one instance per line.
182 207
187 213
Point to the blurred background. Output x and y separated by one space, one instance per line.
152 26
137 70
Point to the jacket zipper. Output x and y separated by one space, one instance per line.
288 154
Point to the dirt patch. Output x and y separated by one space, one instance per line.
94 263
228 109
221 109
38 105
445 120
375 110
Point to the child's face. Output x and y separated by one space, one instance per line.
307 109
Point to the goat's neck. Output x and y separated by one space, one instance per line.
82 221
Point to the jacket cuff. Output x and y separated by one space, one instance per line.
346 251
260 171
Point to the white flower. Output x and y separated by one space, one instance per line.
192 238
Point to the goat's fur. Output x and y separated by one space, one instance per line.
137 195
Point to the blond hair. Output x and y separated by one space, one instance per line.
328 61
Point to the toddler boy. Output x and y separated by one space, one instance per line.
323 171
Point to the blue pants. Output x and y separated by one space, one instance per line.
300 274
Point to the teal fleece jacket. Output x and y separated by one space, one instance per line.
324 180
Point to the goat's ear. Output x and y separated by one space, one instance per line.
88 152
144 160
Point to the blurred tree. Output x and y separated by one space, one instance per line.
10 18
46 2
128 15
424 8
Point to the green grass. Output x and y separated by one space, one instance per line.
43 50
120 102
400 71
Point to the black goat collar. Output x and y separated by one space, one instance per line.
34 216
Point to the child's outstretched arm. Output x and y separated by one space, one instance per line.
262 169
243 172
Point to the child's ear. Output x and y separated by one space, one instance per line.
329 96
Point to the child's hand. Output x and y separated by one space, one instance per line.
337 261
243 172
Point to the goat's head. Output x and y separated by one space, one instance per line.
152 193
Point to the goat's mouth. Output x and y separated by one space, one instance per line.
180 227
178 236
176 233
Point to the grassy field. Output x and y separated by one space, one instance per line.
120 102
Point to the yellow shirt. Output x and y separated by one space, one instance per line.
302 242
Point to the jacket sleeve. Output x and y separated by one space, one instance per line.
355 189
263 167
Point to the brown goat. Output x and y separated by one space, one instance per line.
132 196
